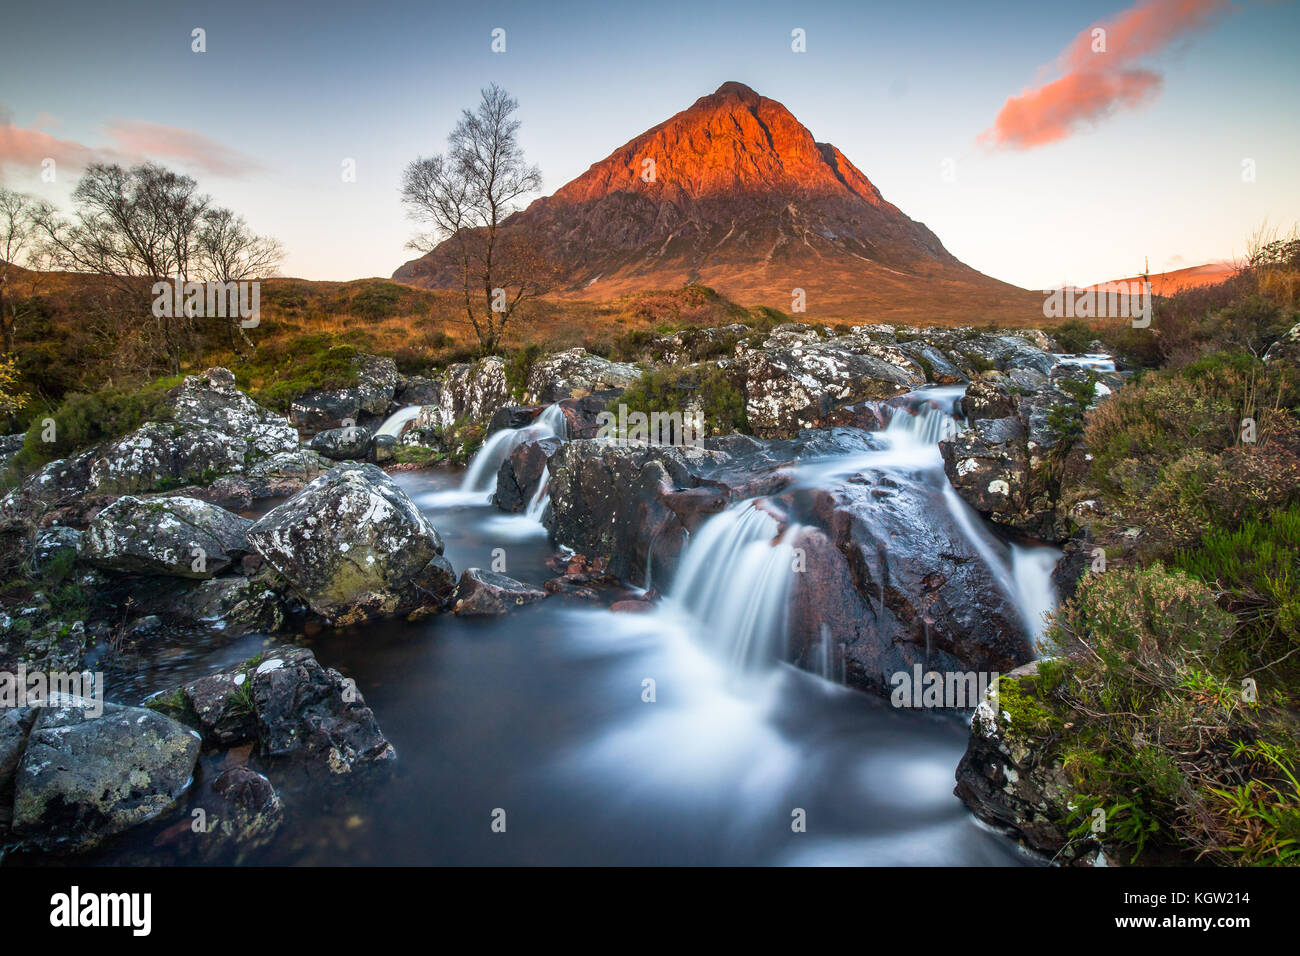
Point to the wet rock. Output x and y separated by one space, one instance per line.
988 466
607 501
83 777
183 537
219 707
234 604
891 581
1005 780
522 472
574 374
342 444
486 593
355 547
314 717
383 449
245 814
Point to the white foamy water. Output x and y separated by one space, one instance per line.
396 423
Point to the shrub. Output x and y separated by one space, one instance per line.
674 390
82 420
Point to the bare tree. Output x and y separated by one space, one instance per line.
464 196
228 251
18 241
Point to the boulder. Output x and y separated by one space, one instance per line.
378 381
795 379
355 547
486 593
471 393
219 707
183 537
342 444
574 374
83 778
1006 781
285 473
211 401
892 581
234 604
522 472
383 449
988 465
243 814
314 717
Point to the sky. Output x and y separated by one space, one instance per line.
1034 157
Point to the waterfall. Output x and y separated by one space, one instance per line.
396 422
1031 569
735 580
481 476
537 504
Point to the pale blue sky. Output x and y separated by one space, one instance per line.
294 89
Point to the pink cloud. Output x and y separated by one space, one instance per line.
183 145
133 141
1101 74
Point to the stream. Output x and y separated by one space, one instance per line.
543 714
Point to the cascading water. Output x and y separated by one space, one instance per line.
396 422
910 442
734 580
1031 569
480 478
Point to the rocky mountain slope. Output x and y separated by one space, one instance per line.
735 193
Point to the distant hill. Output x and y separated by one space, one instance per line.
1167 283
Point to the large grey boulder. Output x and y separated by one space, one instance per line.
83 778
355 547
342 444
211 401
183 537
471 393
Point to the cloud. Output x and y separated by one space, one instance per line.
183 145
132 141
1102 73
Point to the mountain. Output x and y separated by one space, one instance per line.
745 200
